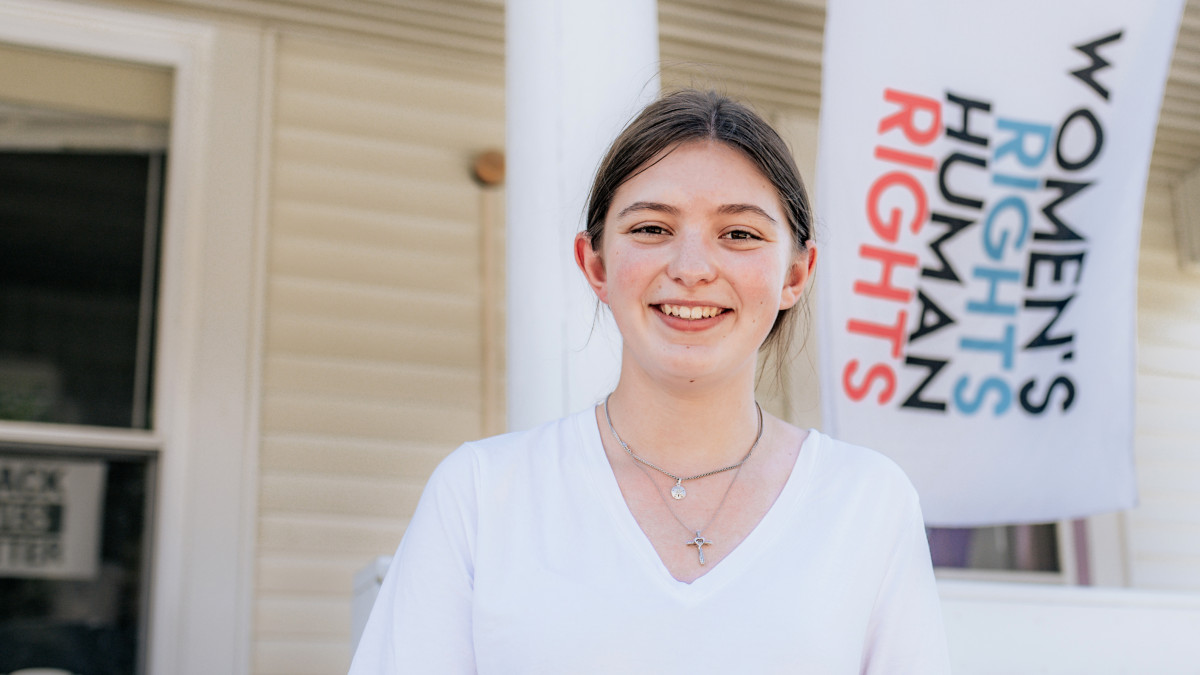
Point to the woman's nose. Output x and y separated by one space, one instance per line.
692 262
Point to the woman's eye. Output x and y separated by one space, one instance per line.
649 229
742 235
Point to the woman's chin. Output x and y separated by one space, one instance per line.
695 365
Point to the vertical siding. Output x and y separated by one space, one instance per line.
373 348
1164 530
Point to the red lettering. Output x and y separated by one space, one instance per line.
884 289
906 158
894 334
911 104
879 371
890 231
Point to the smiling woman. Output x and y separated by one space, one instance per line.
697 261
675 518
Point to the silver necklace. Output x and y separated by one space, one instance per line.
678 491
699 541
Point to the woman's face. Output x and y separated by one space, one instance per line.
697 259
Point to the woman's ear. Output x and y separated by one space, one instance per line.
803 264
592 266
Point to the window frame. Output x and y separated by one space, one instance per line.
211 297
1068 561
1091 551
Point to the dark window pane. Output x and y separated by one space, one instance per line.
1027 548
78 245
87 620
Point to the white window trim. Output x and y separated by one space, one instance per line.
1108 550
210 333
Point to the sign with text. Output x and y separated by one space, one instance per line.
50 514
980 183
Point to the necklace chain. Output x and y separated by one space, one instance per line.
678 492
699 541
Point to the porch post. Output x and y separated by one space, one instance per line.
576 73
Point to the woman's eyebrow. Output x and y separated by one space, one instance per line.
648 206
734 209
724 209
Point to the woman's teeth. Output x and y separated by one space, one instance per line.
685 312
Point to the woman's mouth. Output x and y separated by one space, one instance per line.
691 313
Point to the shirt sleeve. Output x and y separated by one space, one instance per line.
422 618
906 634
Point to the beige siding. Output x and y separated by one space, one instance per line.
765 51
374 349
1164 530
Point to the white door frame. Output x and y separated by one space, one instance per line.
208 367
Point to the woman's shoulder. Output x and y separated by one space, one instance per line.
865 468
558 432
515 448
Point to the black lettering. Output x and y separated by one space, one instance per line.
953 226
1057 260
1043 339
28 479
968 105
1085 75
51 552
51 479
1097 140
931 319
954 158
1038 408
1062 232
914 400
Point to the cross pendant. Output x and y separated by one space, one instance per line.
699 542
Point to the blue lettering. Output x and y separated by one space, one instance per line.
1005 346
1016 145
995 246
992 305
972 406
1015 181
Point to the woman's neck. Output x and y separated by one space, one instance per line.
686 430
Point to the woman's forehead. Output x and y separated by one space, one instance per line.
702 173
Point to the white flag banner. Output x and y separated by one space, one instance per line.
980 183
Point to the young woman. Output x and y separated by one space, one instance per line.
675 527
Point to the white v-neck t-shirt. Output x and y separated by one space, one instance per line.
522 557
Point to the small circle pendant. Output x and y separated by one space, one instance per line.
678 492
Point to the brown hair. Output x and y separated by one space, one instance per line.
689 115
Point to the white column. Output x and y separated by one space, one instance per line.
576 73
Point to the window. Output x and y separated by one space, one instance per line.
1047 552
129 72
80 210
77 286
75 586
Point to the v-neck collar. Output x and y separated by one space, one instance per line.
735 563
